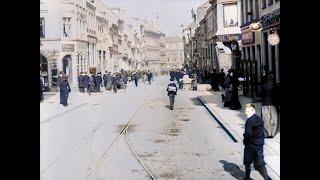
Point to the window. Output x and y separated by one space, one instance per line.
270 2
230 14
66 27
42 32
257 9
242 11
251 10
264 4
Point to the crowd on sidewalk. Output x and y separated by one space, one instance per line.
93 82
231 83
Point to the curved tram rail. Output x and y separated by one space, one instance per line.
124 131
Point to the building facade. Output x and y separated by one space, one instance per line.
174 52
152 37
76 36
258 56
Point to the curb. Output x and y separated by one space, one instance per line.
270 169
61 113
218 121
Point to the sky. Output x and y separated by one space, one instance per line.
172 13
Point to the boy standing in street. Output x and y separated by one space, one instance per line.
253 142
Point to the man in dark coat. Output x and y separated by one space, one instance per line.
253 141
222 78
98 82
136 79
94 80
64 90
179 76
104 78
172 91
214 80
85 82
149 75
81 82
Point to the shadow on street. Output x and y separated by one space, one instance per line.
233 169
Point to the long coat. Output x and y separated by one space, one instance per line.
81 81
215 81
267 94
64 92
235 102
98 83
85 81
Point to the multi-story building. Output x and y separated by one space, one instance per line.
174 52
163 57
226 32
78 35
258 56
75 36
152 36
193 58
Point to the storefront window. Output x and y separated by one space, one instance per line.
230 15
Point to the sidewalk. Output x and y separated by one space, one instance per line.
51 107
234 121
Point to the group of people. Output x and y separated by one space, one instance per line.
93 82
183 75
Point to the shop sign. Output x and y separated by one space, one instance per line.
228 37
67 47
247 38
270 20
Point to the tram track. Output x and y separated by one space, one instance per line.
123 131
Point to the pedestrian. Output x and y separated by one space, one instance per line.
214 81
269 112
81 82
64 90
41 88
228 94
98 82
253 143
235 102
125 79
222 78
104 78
194 82
115 82
149 76
136 79
91 85
86 82
172 92
109 81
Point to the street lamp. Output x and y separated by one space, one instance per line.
273 38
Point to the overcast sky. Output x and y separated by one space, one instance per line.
172 13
